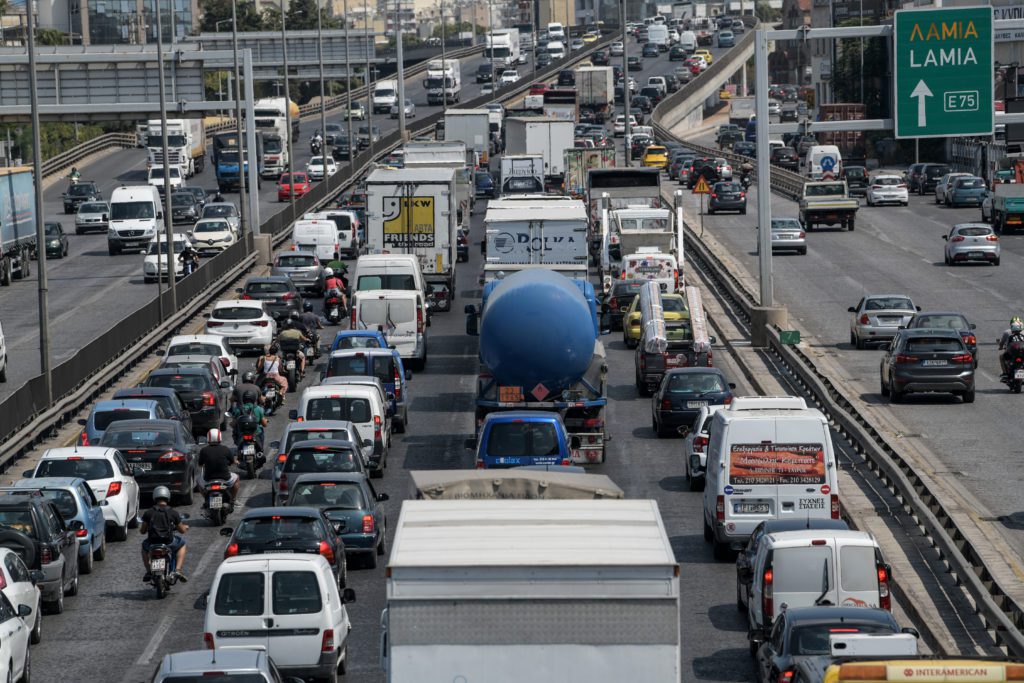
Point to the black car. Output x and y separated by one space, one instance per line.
78 193
654 93
671 82
677 53
163 453
167 398
484 73
703 167
342 149
948 320
856 178
745 149
927 359
543 60
617 72
618 94
56 240
277 292
929 177
485 185
729 138
745 557
619 299
198 193
802 632
641 103
788 113
683 392
634 63
650 50
33 527
566 77
727 196
304 530
785 157
600 58
206 401
184 208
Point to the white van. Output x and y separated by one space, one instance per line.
658 82
318 236
136 216
385 94
822 160
287 605
814 567
648 263
688 41
403 316
347 224
556 31
657 34
556 49
389 271
359 404
773 144
769 457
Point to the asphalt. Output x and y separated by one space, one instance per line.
894 249
116 630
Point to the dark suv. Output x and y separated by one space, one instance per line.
929 177
856 178
79 193
785 157
199 392
566 77
485 73
278 293
32 527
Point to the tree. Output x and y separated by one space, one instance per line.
847 75
50 36
766 13
301 15
215 11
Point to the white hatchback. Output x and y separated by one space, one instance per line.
15 618
243 322
509 76
18 586
887 189
619 127
212 234
316 170
203 345
110 477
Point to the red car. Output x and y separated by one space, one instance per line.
539 88
294 185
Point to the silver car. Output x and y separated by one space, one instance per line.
303 268
225 210
878 317
945 184
410 110
92 216
971 242
222 664
788 235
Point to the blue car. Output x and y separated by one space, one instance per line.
522 437
485 185
384 364
106 413
79 508
167 398
967 192
359 339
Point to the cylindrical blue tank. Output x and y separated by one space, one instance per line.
537 328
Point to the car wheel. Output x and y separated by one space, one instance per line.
803 252
382 547
860 343
968 396
56 606
721 551
739 600
895 395
995 262
188 497
121 532
36 636
884 389
708 533
101 552
73 588
85 563
870 203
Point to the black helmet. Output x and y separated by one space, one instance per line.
249 397
248 377
307 305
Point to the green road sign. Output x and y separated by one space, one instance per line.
943 72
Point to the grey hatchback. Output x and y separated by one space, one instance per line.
927 360
303 268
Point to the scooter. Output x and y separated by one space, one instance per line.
1014 377
250 452
161 569
291 364
333 310
272 398
218 501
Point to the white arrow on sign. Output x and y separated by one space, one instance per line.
921 91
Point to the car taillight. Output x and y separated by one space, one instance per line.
213 323
352 322
260 323
419 320
45 555
727 401
768 596
84 440
113 489
282 457
172 456
368 524
835 505
803 234
884 598
479 464
720 508
699 443
247 297
208 640
876 187
288 296
326 550
902 186
785 676
962 358
327 644
209 399
376 426
969 339
903 358
231 550
666 404
864 319
398 385
3 580
958 238
743 195
992 238
613 304
282 482
643 362
225 361
714 195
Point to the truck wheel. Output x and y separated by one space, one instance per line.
849 225
5 271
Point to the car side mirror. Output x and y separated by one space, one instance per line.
36 575
945 238
973 326
851 309
24 611
27 474
911 630
381 497
239 290
347 596
103 503
271 265
136 470
82 421
293 414
918 308
225 384
470 444
226 531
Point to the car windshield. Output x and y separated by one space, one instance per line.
219 211
974 231
934 344
338 495
353 409
627 288
814 640
85 468
272 146
889 303
970 183
695 383
192 382
238 313
951 322
157 172
154 247
81 190
523 438
296 261
93 207
211 226
322 459
51 229
105 418
287 179
673 304
854 173
132 211
178 199
824 190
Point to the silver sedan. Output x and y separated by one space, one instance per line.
788 235
878 317
410 110
971 242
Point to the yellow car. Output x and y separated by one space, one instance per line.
655 156
590 38
706 54
675 311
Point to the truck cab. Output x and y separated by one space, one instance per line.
521 438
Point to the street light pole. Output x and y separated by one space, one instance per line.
401 70
288 111
490 41
323 96
37 174
625 82
444 65
243 212
368 79
168 216
348 91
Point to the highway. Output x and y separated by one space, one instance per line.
90 290
900 250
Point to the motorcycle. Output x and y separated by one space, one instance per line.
250 450
272 399
161 569
1014 377
333 309
746 181
218 501
291 364
315 146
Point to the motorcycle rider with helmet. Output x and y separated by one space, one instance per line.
248 383
215 461
1011 337
311 321
270 367
159 524
333 284
294 334
249 405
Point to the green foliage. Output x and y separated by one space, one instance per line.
214 11
846 78
766 13
50 36
54 138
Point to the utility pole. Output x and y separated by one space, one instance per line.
444 64
625 81
323 96
244 218
369 78
401 71
168 216
288 110
348 90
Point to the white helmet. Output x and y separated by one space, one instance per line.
213 436
328 272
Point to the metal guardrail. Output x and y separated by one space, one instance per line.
1002 615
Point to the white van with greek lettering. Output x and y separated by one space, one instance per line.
769 457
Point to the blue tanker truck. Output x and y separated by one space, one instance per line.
540 349
17 223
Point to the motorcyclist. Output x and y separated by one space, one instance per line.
1011 337
215 461
218 198
333 283
250 406
311 321
189 258
317 142
270 367
248 383
293 334
74 175
158 526
746 173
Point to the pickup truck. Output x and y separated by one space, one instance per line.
522 437
1007 207
827 203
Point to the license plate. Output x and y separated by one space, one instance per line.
271 393
216 503
238 340
934 362
974 254
291 365
334 311
158 564
1019 374
750 508
143 465
696 404
248 450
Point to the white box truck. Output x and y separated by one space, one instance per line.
443 82
521 174
413 211
539 135
506 591
503 48
595 87
445 154
472 127
529 232
186 145
385 94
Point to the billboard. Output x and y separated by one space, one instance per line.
408 222
777 463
